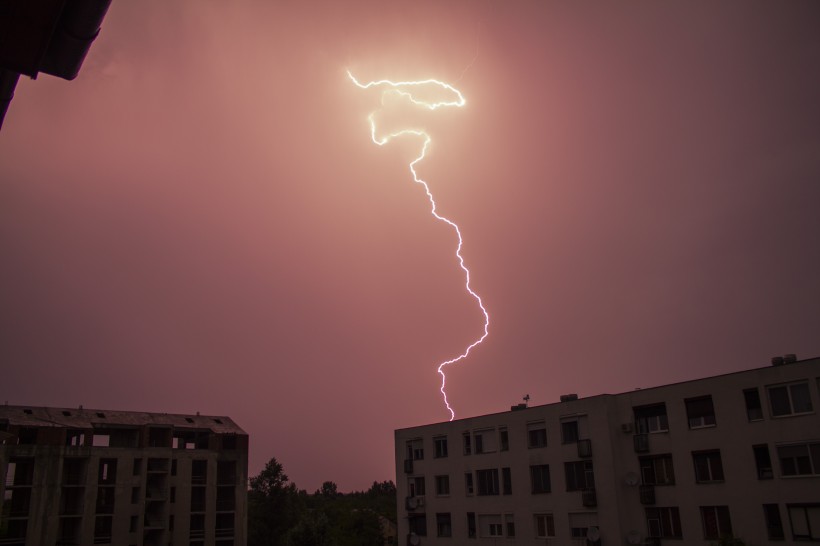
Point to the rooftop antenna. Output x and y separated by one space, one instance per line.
527 399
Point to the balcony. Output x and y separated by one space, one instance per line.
641 443
647 494
414 503
408 466
588 498
584 448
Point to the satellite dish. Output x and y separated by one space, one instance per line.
631 479
593 534
634 537
414 539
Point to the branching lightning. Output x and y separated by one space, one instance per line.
405 89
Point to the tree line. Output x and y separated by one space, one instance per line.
280 514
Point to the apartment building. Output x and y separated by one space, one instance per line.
81 477
686 463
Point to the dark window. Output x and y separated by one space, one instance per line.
505 439
790 399
468 483
27 436
509 519
471 529
700 412
418 524
544 525
416 486
415 449
540 478
199 471
754 410
102 529
228 440
478 439
774 525
657 470
137 467
763 462
173 467
107 472
135 495
20 471
569 432
799 459
664 522
716 521
579 475
537 435
134 525
440 444
651 419
804 520
506 481
444 527
467 445
487 481
443 485
708 466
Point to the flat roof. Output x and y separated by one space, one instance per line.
34 416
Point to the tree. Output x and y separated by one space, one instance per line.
274 506
329 490
271 480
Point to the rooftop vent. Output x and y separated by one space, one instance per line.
518 407
777 361
785 359
568 397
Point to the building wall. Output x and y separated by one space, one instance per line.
123 481
608 425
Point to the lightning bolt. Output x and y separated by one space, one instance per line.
405 89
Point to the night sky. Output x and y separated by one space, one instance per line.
200 221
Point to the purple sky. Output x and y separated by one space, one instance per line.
200 222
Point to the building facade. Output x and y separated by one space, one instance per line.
81 477
686 463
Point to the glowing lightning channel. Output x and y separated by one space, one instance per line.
401 89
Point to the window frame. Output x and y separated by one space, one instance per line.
788 388
722 527
548 520
538 485
700 412
713 463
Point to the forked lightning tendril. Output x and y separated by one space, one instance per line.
405 89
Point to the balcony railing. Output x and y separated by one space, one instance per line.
584 448
588 498
408 466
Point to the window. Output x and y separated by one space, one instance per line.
504 439
774 525
509 521
506 481
579 475
75 438
415 449
134 524
700 411
442 485
135 495
440 445
487 481
137 467
489 525
657 470
791 399
537 434
716 521
467 445
569 432
708 466
107 472
471 527
418 524
579 525
468 483
540 478
102 529
444 527
763 462
544 525
805 521
484 441
415 486
664 522
799 459
754 410
651 419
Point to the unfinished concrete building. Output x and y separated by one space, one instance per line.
79 476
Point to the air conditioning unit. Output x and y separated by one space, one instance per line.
626 428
